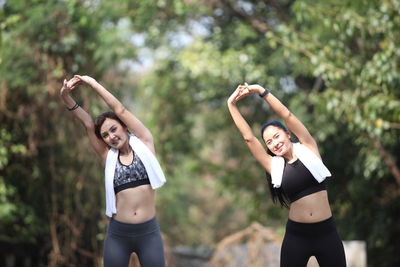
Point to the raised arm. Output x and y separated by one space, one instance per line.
291 121
130 120
99 146
254 145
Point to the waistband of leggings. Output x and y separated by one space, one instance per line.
317 228
133 229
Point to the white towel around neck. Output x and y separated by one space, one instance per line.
150 162
310 160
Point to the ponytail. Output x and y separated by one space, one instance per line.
277 194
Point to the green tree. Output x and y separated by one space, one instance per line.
49 184
351 50
335 64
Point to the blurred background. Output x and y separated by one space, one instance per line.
174 63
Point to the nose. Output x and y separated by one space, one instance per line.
274 143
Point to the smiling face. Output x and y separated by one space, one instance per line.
277 140
113 133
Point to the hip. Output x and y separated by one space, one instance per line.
314 229
123 229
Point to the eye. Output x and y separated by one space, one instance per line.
105 135
113 129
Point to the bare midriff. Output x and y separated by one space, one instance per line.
311 208
135 205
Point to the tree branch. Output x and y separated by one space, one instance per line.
258 25
388 160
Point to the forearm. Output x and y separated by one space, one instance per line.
240 122
68 101
291 121
112 102
79 112
130 120
276 105
254 145
125 115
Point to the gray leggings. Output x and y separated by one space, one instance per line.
142 238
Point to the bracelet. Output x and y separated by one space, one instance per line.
266 92
74 107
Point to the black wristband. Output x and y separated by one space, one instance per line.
74 107
266 92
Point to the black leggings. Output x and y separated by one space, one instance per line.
124 238
303 240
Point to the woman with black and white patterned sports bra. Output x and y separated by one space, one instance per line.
132 173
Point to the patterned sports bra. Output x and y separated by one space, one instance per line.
130 176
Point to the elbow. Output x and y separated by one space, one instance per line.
88 123
119 110
249 138
287 115
89 126
149 139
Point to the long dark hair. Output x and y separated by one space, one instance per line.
277 194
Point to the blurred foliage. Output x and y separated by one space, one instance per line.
46 182
334 63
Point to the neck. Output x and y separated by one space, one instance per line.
125 150
289 156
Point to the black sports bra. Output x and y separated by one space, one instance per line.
129 176
298 182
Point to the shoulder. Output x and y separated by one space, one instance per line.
301 148
109 155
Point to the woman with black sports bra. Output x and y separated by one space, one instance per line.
296 181
132 172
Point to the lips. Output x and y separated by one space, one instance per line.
114 142
278 148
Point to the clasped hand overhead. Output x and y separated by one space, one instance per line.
244 90
75 81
